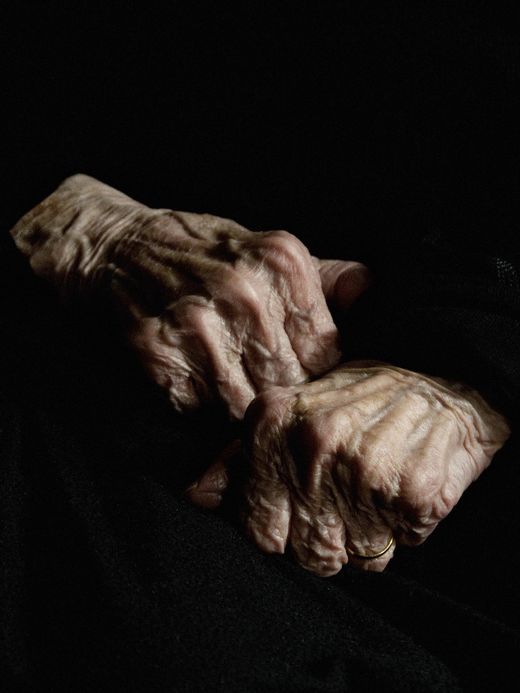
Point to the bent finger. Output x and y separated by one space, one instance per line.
414 536
267 514
343 281
253 316
307 320
372 550
369 539
317 533
317 538
208 491
208 344
162 358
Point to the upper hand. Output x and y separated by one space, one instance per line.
216 312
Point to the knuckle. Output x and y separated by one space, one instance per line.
270 407
192 312
382 485
445 500
376 474
414 535
181 390
416 502
236 289
263 531
285 250
229 279
312 438
424 492
337 424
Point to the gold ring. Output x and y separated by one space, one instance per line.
366 557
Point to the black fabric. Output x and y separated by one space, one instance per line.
385 133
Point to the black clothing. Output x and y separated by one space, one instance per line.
380 134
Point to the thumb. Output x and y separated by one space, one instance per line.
209 490
343 281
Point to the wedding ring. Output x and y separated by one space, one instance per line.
370 557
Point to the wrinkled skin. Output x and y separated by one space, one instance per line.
215 312
219 313
339 465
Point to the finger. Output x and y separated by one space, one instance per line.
343 281
208 346
313 335
317 533
326 533
370 544
253 317
164 361
367 531
427 497
414 536
368 486
208 491
368 390
307 320
266 512
278 366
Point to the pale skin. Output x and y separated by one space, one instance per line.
338 459
338 466
216 313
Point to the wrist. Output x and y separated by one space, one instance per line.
69 236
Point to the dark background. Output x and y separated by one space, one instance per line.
337 120
358 126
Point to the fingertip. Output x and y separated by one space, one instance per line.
210 500
318 541
343 281
270 540
208 491
326 567
350 285
266 519
376 565
413 537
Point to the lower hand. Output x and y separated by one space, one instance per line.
337 467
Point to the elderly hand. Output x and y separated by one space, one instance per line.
216 312
338 466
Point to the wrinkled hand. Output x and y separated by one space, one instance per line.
216 312
339 465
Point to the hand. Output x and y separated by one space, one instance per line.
215 312
340 465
